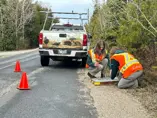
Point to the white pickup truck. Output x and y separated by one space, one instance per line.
63 42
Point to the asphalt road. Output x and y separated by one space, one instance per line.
55 90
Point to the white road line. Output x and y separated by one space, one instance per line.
25 60
4 62
6 66
13 87
20 61
31 79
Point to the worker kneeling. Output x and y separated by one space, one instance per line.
98 59
129 68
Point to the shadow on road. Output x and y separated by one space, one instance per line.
66 64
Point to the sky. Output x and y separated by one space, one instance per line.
68 6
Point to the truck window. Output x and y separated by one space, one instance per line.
65 28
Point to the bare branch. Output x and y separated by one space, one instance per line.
144 16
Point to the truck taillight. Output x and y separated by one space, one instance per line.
40 38
85 40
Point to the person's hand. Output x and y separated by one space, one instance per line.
96 64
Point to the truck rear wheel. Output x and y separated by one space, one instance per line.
84 62
44 60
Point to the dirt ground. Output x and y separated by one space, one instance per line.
147 92
112 102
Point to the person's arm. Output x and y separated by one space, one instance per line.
93 60
114 68
109 63
89 61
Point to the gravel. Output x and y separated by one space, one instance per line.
112 102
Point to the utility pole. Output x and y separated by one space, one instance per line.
88 16
46 18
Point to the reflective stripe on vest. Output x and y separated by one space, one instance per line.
129 61
106 51
94 56
128 64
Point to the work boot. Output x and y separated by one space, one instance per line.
91 76
102 75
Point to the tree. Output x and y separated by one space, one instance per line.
36 24
130 24
20 23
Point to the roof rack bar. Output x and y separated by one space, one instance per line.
74 13
63 12
69 18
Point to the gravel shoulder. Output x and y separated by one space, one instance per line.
112 102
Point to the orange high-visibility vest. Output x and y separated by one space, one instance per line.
127 64
95 57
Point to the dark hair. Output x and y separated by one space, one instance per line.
99 45
113 50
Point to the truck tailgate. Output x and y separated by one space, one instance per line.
62 39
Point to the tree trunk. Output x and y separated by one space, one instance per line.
16 25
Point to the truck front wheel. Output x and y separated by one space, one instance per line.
44 60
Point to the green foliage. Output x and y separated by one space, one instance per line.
14 34
131 25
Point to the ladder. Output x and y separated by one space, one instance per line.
68 18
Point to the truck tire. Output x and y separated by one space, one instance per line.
84 62
44 60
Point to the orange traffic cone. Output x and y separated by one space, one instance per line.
24 82
17 67
87 66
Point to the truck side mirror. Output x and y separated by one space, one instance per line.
89 36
